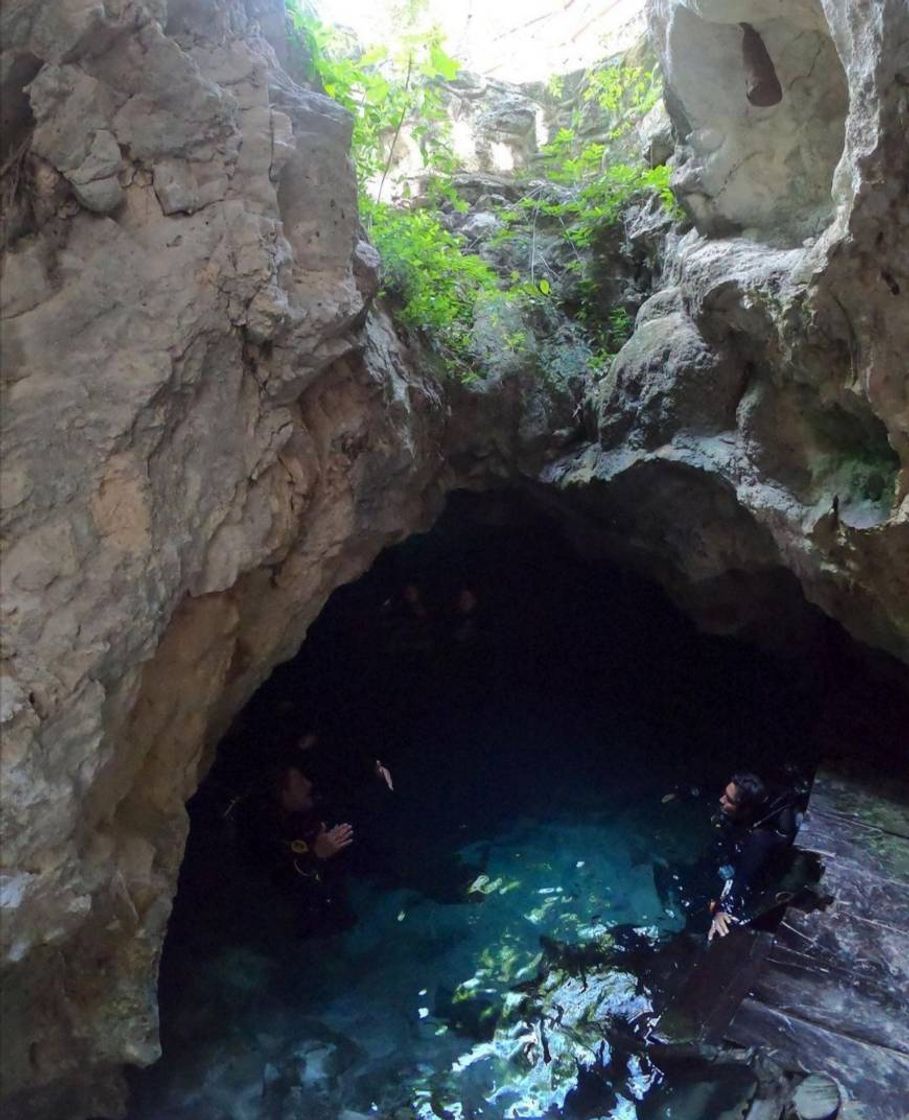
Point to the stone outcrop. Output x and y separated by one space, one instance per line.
760 95
206 428
202 438
757 422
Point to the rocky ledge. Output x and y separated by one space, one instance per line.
756 425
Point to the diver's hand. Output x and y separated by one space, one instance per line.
330 841
385 774
720 925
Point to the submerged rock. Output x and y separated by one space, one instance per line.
816 1098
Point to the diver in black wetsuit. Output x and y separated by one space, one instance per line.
757 830
301 849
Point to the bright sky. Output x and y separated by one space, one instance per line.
516 40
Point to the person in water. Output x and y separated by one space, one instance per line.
359 786
303 847
757 831
300 828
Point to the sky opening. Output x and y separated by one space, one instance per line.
512 40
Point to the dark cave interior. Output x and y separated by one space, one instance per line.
581 698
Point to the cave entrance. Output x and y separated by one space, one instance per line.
551 774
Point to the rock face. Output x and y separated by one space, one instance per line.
207 429
760 97
758 419
202 439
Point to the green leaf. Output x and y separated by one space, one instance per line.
443 64
545 287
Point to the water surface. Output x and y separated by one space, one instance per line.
532 810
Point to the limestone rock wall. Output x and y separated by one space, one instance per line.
757 422
202 437
764 168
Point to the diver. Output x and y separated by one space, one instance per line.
302 847
359 787
757 832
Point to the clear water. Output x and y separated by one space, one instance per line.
529 812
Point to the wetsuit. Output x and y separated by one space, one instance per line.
753 854
291 840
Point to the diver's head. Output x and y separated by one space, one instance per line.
295 790
743 796
466 601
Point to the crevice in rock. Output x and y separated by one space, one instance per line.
16 118
761 83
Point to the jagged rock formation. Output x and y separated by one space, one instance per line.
757 422
202 439
206 429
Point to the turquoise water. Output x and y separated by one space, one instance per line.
543 786
405 1002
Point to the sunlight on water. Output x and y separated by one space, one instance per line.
528 866
565 882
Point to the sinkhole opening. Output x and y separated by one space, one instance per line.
512 914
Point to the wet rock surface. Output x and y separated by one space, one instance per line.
832 992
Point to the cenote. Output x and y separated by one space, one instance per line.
515 913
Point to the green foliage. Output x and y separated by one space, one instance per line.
459 304
474 318
594 182
598 202
603 185
627 93
564 162
620 326
383 89
435 283
555 87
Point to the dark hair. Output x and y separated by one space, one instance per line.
279 774
751 790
